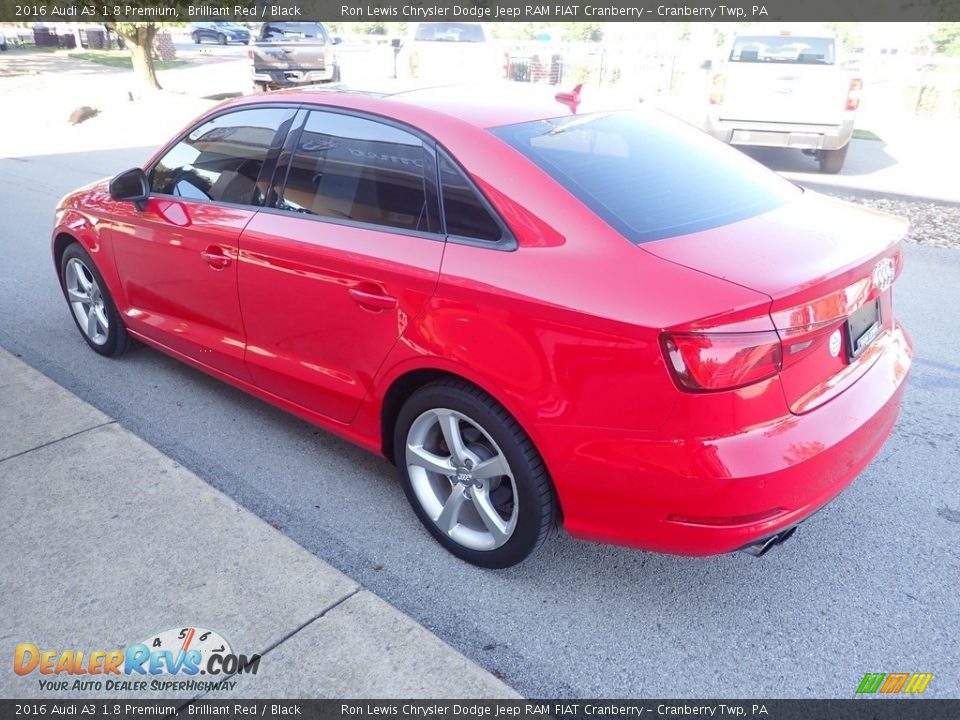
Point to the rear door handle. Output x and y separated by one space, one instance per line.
215 257
373 301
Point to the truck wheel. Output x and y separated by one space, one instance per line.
831 161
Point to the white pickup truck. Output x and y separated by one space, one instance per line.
785 90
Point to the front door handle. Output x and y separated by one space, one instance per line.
373 301
215 257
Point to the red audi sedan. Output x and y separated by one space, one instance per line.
541 313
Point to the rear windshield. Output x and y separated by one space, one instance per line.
784 49
293 32
647 175
450 32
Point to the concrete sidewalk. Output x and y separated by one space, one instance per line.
105 542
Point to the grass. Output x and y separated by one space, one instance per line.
121 59
859 134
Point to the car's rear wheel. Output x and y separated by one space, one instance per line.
91 306
222 39
472 475
831 161
196 38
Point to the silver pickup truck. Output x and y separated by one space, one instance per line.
785 90
295 53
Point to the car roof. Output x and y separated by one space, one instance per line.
483 105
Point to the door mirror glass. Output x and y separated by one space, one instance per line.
131 185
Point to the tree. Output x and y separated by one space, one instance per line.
138 37
946 38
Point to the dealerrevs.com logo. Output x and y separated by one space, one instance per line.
184 653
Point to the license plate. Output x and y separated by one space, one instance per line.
863 327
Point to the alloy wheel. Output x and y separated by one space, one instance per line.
462 479
86 301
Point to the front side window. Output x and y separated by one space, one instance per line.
647 175
222 159
351 168
465 213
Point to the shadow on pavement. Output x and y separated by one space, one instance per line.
865 157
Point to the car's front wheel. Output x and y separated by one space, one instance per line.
196 38
91 306
222 39
472 475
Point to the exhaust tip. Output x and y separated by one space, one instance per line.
762 547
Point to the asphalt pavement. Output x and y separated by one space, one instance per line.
869 584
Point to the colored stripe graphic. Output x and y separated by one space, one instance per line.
892 683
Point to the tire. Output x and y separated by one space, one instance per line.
260 87
222 39
196 38
246 42
336 74
3 48
459 509
831 161
79 276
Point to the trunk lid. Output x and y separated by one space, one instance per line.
826 266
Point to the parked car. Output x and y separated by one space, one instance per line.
449 52
537 311
3 42
220 32
290 54
785 90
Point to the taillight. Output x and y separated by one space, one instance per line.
708 362
506 66
853 94
249 54
716 89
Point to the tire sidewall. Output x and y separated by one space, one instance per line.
527 535
115 333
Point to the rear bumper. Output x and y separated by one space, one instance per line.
786 134
291 78
705 496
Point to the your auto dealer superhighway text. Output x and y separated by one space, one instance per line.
549 11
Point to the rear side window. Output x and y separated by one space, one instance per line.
647 175
787 49
466 214
449 32
350 168
221 160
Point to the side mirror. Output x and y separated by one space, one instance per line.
131 185
396 43
336 40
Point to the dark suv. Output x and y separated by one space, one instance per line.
221 32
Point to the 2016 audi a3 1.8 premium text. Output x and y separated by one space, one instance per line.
541 313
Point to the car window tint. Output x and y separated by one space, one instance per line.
220 160
465 213
350 168
647 175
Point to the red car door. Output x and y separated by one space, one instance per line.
177 258
348 251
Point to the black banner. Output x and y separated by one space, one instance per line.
859 709
483 10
